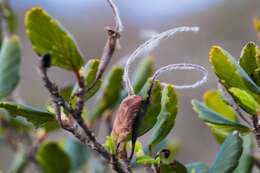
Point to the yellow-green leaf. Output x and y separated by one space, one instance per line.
231 73
48 36
213 100
245 100
220 126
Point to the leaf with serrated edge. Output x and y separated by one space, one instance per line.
36 116
229 155
48 36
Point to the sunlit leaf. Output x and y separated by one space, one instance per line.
146 159
219 125
48 36
231 73
245 100
213 100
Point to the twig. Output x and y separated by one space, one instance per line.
58 101
110 46
233 103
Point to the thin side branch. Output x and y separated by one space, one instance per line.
111 44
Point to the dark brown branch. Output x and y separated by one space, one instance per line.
233 103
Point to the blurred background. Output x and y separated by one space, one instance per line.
227 23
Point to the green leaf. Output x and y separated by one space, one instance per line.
36 116
143 71
53 159
198 167
249 58
246 162
220 126
17 124
48 36
90 71
10 18
111 93
154 107
231 73
245 100
166 118
228 156
175 167
213 100
78 153
10 55
146 159
110 145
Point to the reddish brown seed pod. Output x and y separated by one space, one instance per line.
125 117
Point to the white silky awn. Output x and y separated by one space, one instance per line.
145 49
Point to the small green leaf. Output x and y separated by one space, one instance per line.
10 55
231 73
198 167
166 118
90 71
36 116
111 93
48 36
245 100
219 125
154 107
53 159
139 148
249 58
246 162
110 145
229 155
10 18
175 167
78 153
146 159
213 100
143 71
